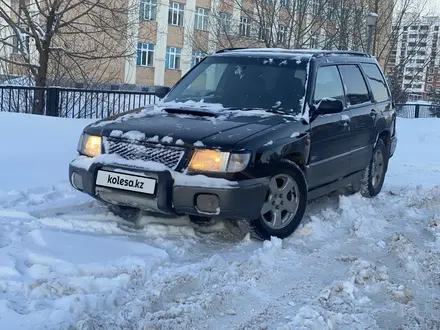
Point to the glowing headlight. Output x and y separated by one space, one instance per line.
205 160
89 145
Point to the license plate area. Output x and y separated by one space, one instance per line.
126 182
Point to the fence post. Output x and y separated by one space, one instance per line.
417 114
52 103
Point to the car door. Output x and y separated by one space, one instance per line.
329 157
362 110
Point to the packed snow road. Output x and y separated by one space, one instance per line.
354 263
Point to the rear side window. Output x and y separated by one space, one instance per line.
356 91
328 84
377 82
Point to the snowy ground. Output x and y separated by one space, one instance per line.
354 263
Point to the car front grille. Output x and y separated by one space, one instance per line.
169 156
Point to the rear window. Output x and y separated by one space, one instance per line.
377 82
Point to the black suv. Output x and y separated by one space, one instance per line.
246 134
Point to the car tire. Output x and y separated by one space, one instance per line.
125 212
374 175
282 203
200 220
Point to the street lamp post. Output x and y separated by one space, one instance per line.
371 23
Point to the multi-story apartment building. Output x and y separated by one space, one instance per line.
170 36
415 58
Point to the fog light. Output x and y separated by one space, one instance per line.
208 203
76 180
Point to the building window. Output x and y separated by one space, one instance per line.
224 22
148 10
197 56
145 54
264 32
285 3
282 34
201 20
315 7
175 14
172 60
245 27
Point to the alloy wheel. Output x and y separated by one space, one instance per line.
281 203
377 169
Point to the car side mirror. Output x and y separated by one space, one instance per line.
161 91
329 106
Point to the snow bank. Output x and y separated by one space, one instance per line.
36 150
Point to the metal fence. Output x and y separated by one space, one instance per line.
83 103
73 102
418 110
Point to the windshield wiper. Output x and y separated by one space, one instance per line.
191 111
261 109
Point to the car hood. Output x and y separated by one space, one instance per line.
190 126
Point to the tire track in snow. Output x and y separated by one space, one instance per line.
213 282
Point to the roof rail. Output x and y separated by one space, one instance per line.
314 52
340 52
224 50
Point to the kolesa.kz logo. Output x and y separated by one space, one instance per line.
125 182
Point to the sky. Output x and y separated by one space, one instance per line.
433 6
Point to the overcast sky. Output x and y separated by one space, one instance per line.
434 6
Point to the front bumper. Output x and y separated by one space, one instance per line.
240 200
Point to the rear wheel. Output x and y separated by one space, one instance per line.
285 203
374 175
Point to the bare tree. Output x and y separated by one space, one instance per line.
77 40
262 23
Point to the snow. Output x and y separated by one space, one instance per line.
167 139
133 135
294 134
345 117
154 139
268 143
198 144
354 263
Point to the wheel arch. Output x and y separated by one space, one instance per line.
298 158
385 136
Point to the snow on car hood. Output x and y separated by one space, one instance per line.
195 124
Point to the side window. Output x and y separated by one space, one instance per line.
356 91
328 84
377 82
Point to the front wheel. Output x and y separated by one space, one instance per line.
285 202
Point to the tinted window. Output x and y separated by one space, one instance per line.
328 84
356 90
244 83
377 82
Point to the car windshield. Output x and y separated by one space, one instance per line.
245 83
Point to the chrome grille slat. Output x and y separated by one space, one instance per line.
133 150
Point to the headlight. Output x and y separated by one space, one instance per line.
205 160
89 145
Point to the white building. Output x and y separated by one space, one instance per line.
417 54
